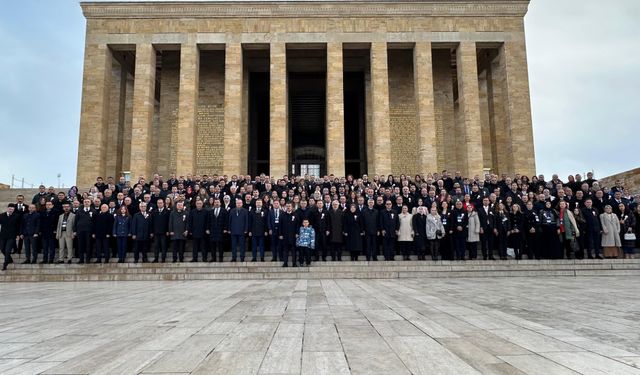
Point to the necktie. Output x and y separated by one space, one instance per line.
217 211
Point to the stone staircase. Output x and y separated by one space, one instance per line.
318 270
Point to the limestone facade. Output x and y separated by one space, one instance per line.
166 86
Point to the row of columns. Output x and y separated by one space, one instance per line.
95 103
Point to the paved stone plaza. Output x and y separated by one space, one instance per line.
587 325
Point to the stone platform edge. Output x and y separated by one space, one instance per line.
319 270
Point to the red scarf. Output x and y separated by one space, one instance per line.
561 221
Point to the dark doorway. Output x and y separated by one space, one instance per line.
354 124
307 123
258 123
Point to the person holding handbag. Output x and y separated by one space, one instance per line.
627 236
610 233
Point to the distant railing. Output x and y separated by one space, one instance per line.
21 182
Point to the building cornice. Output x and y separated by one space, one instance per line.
304 8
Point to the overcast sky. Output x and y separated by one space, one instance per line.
584 69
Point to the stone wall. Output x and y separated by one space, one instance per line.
402 113
630 180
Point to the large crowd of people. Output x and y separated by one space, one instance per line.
297 220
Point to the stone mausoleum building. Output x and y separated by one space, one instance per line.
280 87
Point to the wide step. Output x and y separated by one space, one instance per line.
318 270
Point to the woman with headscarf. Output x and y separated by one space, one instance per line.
610 233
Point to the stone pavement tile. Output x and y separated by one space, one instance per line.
375 363
8 364
248 337
382 315
534 341
218 328
169 340
129 362
45 348
6 348
37 336
498 369
631 361
396 328
187 356
534 364
230 363
284 356
432 328
591 363
468 352
321 338
364 344
324 363
424 355
29 368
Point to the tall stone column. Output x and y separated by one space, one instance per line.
381 131
187 106
500 133
143 107
335 110
515 88
423 89
233 93
94 115
278 126
469 106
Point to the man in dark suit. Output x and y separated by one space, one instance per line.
288 232
197 227
389 225
370 216
21 210
592 236
274 231
160 230
238 228
9 233
216 229
257 230
48 225
103 228
141 233
30 233
320 222
485 214
84 230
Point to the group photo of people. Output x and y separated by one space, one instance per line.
297 220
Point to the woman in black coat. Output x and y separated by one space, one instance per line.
501 231
352 227
550 243
516 221
445 244
420 231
